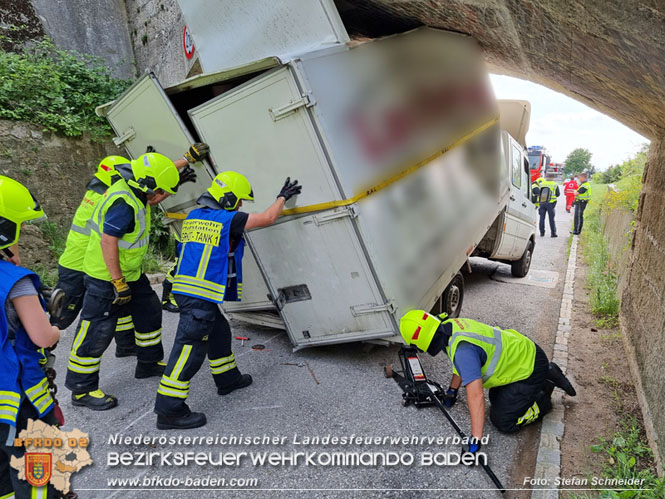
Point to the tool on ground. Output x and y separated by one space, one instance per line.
242 339
417 390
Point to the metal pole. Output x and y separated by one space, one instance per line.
486 467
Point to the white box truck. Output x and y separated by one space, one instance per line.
404 168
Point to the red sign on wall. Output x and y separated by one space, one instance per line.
188 43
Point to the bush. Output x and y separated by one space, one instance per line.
57 89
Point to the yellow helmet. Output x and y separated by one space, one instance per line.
418 328
154 171
228 188
106 168
17 205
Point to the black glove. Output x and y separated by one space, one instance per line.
197 152
450 398
121 291
187 174
473 446
289 189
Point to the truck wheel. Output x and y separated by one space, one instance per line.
453 296
520 268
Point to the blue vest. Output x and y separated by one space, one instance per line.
205 257
20 371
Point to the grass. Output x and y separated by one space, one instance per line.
55 236
602 277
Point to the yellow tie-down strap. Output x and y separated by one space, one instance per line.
381 185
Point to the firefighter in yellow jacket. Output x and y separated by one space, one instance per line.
517 372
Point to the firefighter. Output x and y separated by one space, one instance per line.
582 197
116 248
548 191
70 264
24 329
210 272
515 369
569 189
535 190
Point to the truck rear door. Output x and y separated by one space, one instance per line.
143 116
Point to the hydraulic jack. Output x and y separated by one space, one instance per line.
417 390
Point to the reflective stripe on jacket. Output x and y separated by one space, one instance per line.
510 355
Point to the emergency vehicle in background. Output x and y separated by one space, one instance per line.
538 161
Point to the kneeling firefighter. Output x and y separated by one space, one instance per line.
517 372
209 272
114 277
24 330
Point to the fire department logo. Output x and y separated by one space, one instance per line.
38 468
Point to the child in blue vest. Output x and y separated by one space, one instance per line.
209 272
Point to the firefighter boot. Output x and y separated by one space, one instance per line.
149 369
556 376
242 382
96 400
188 421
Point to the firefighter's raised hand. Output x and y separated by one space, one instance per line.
187 174
121 291
197 152
289 189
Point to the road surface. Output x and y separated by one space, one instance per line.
336 390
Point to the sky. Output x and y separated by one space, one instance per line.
562 124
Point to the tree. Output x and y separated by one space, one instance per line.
579 160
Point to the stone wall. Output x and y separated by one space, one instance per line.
617 227
643 298
56 169
156 29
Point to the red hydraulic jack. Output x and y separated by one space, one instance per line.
419 391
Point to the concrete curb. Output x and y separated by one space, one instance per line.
548 462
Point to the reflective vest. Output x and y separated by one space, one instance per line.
552 186
510 355
132 247
587 195
79 232
20 372
206 267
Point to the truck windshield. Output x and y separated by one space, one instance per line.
534 161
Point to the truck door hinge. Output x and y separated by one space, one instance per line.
372 308
348 211
277 113
128 134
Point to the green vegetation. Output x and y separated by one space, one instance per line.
629 168
602 277
579 160
161 251
56 89
55 236
627 456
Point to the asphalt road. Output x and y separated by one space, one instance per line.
337 390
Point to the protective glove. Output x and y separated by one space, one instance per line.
289 189
197 152
451 398
187 174
121 291
473 446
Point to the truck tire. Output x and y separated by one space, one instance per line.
453 296
520 268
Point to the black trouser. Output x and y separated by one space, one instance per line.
98 323
9 480
202 331
547 208
167 283
72 283
518 404
580 206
